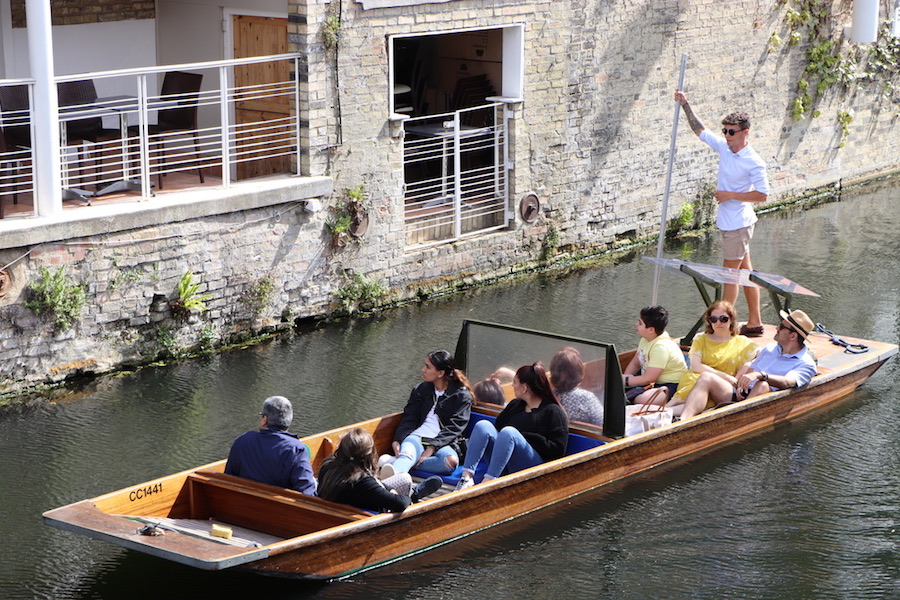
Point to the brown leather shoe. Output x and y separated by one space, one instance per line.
752 331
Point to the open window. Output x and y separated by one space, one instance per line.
451 90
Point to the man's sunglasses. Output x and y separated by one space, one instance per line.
788 327
720 319
730 131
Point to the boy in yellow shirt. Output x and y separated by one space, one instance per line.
658 362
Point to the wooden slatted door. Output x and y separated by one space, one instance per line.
258 103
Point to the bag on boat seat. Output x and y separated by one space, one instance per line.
644 417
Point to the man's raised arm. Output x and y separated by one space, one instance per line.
694 121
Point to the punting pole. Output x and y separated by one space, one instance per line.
665 207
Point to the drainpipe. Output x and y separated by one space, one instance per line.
44 111
865 22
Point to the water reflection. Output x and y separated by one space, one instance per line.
807 511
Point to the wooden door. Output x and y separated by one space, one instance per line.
261 36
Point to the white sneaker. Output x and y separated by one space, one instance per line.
385 459
386 471
464 483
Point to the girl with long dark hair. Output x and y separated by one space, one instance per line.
434 418
348 476
532 429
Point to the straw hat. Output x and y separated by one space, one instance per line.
800 321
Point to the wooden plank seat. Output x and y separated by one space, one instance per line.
263 508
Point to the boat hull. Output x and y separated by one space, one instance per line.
424 527
328 541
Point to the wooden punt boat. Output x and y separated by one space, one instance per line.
280 532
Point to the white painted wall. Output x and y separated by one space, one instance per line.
182 32
195 29
90 47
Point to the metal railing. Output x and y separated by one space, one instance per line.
126 136
455 174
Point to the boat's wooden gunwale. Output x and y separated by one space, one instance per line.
370 541
617 460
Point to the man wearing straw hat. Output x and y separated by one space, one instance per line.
742 182
785 363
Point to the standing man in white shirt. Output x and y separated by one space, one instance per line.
742 182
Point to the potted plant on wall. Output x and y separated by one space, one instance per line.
357 207
350 220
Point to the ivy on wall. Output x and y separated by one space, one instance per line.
833 64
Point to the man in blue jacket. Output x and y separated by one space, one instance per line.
271 454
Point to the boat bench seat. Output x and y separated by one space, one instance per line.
260 507
577 443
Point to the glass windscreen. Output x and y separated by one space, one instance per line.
485 349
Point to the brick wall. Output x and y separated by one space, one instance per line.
130 278
78 12
592 136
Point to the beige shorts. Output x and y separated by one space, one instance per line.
736 243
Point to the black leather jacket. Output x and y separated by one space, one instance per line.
452 411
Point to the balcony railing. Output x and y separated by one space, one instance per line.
455 174
128 131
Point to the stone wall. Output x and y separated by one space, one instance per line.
591 139
592 135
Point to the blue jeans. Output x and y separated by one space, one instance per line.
507 449
411 449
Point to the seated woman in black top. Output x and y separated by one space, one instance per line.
347 476
532 429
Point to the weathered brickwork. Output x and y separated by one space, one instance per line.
592 136
131 277
591 139
78 12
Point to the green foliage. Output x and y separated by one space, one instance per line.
799 107
832 65
338 226
699 213
208 336
844 118
359 291
356 195
189 297
345 216
331 26
685 218
125 276
258 295
166 341
57 296
550 243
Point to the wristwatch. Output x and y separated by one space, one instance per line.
763 376
626 380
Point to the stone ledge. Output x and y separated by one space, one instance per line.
96 220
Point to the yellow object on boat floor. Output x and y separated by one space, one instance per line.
220 531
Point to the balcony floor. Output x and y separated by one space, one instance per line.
173 182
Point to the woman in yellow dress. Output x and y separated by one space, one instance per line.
719 350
